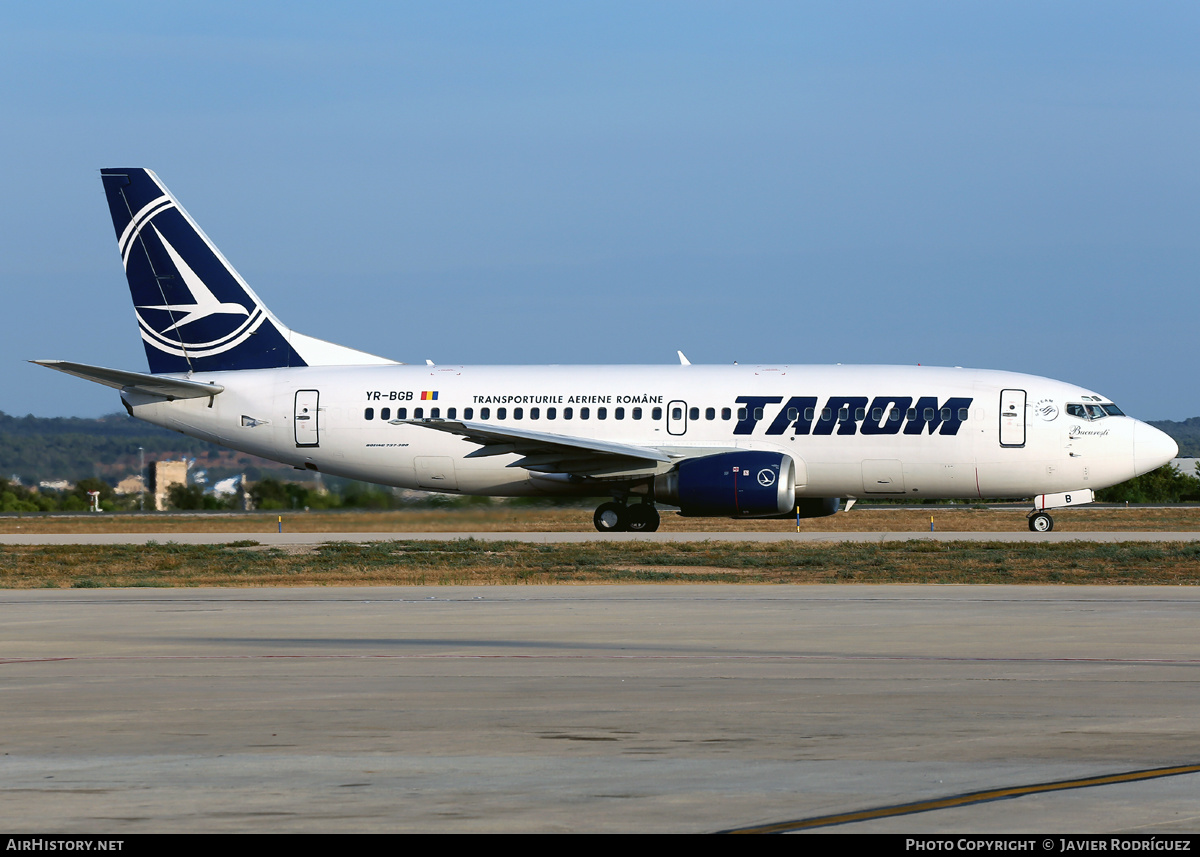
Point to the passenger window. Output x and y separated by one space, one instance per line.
637 413
401 413
535 413
501 413
826 414
742 415
844 415
369 414
656 414
485 413
385 413
693 413
860 413
451 413
601 413
809 413
435 413
551 413
620 413
793 414
418 413
928 414
876 414
584 413
912 414
726 413
568 413
962 415
944 413
518 413
895 415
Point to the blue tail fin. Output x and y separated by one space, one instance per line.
196 314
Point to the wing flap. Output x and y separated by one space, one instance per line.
544 452
525 441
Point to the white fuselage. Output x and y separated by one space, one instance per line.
853 431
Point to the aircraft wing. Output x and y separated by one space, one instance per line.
543 452
153 385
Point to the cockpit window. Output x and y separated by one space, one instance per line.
1094 412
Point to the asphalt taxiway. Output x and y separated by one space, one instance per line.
598 708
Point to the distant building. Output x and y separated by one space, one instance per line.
1186 465
129 485
164 474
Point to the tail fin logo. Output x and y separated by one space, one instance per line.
178 312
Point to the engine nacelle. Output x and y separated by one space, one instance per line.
731 484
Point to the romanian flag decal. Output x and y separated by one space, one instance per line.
429 395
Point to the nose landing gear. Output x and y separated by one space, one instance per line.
1041 522
616 517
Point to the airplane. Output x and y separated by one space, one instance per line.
740 441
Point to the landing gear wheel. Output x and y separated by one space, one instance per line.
1041 523
643 518
611 518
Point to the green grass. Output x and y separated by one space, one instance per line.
246 563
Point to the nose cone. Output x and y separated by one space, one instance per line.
1151 448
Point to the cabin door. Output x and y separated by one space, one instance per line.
1012 417
305 418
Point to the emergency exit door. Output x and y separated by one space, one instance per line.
677 417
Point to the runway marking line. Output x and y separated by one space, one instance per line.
966 799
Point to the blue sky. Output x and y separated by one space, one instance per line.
1006 185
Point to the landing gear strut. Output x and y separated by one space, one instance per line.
1041 522
616 517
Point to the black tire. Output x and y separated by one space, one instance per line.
1041 523
643 518
611 518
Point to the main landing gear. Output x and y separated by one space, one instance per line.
616 517
1041 522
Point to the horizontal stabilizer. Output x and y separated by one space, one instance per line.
152 385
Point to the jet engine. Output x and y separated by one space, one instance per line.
731 484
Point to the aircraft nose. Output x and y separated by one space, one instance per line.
1151 448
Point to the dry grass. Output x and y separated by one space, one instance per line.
246 563
501 518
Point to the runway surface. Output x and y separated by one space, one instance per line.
564 538
599 708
